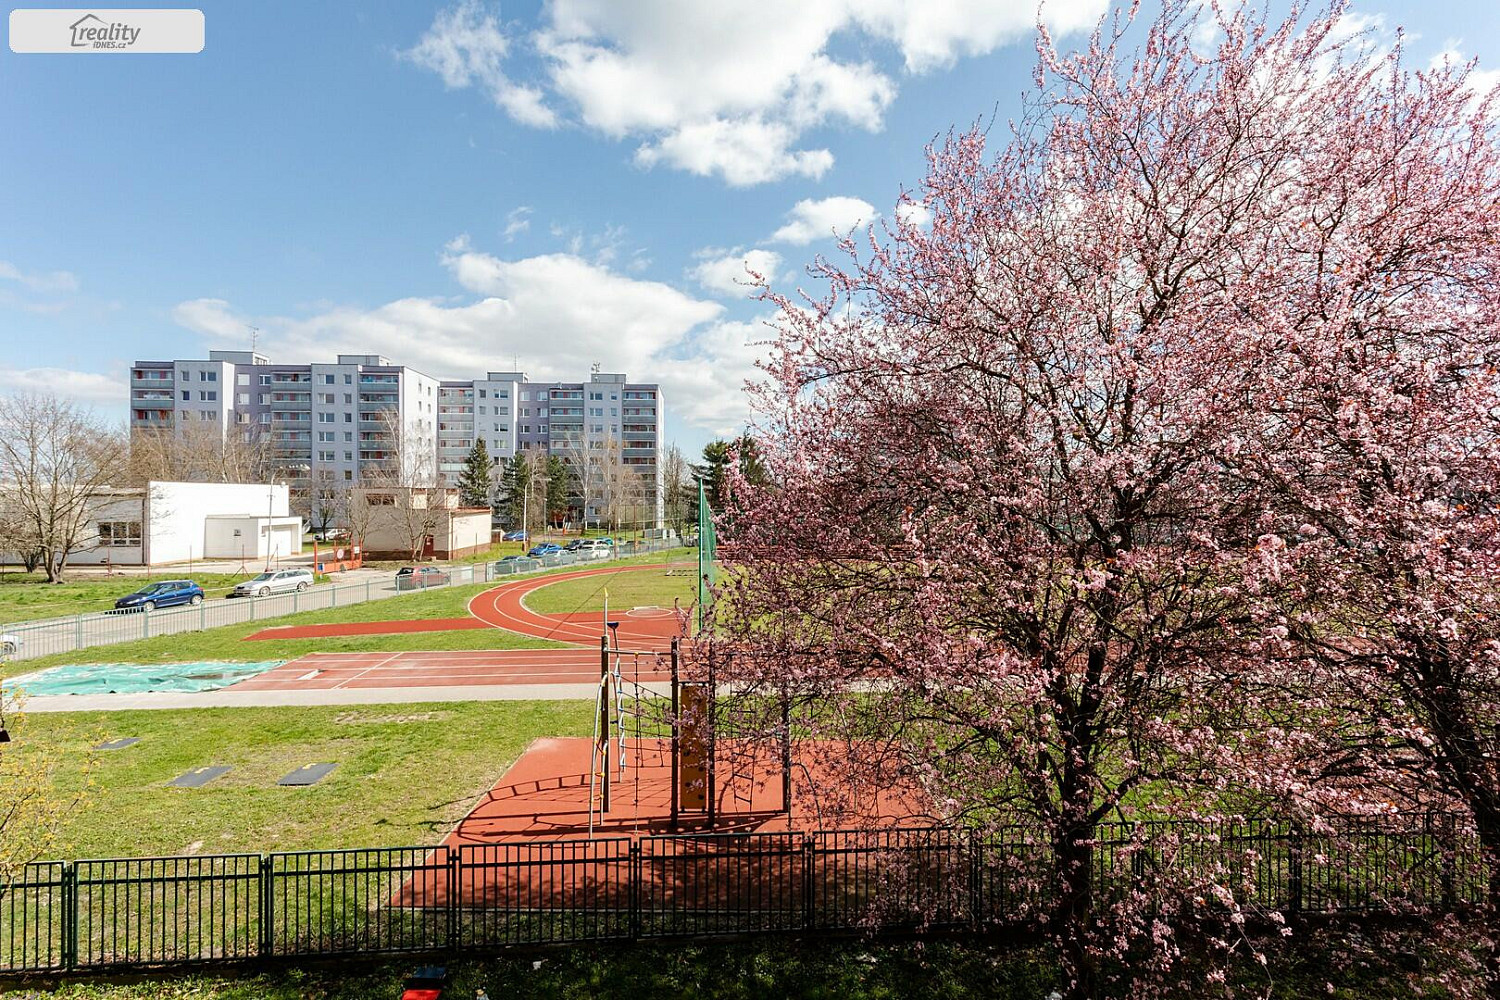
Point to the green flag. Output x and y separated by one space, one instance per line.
706 547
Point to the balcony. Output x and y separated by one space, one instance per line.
380 380
379 400
147 379
291 378
151 396
297 399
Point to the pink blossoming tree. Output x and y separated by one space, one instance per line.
1032 465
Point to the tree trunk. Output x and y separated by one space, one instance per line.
1074 866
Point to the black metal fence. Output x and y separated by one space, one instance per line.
59 916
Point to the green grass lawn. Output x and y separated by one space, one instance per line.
26 596
406 773
627 589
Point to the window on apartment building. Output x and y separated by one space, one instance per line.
481 393
348 456
325 435
542 412
119 533
325 456
348 435
265 380
243 398
242 418
380 499
348 379
326 397
326 418
348 418
502 428
348 475
526 396
481 411
596 411
614 411
242 380
614 395
265 399
207 395
265 418
348 398
187 394
503 394
206 415
328 380
524 428
596 428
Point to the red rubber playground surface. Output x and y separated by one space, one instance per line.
646 630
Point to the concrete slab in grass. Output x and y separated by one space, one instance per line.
307 774
199 776
119 744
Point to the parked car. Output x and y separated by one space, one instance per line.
10 644
161 594
574 545
543 549
331 534
512 564
513 536
420 577
279 581
594 548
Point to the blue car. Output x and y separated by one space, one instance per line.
544 549
162 594
513 536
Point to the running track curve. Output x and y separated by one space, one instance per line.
504 607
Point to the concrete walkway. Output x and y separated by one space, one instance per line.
229 698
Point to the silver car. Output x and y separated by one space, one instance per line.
279 581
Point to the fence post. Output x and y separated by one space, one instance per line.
202 615
974 847
635 890
1294 867
145 623
78 632
808 861
1449 848
333 596
267 907
69 916
367 588
296 606
455 892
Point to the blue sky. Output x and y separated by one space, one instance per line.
466 186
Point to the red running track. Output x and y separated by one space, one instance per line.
647 630
640 628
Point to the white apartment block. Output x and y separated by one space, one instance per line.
330 422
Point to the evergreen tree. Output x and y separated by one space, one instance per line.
474 483
713 470
563 487
515 480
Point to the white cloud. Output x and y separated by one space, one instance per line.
88 388
823 218
466 47
517 221
933 33
40 281
730 88
913 213
728 274
743 152
557 313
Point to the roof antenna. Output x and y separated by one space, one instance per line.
254 336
